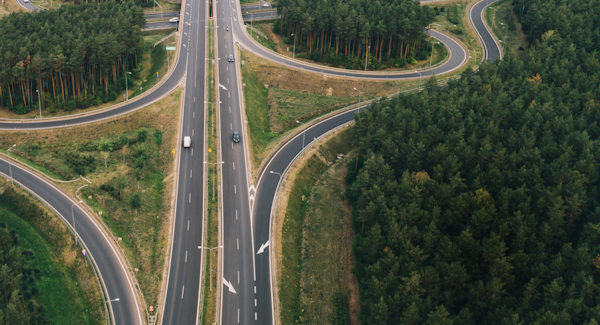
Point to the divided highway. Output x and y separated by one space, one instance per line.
254 299
247 291
239 300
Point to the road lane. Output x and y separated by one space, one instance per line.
238 267
181 305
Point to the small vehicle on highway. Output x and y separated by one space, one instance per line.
236 137
227 28
25 1
174 20
266 5
187 142
230 58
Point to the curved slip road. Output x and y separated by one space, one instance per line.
250 296
253 301
184 265
112 269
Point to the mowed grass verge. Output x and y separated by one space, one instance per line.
129 161
67 286
276 97
312 270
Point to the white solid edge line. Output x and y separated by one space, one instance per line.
127 275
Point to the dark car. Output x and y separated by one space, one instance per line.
236 137
230 58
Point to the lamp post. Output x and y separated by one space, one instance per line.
210 261
126 87
116 299
359 94
213 178
367 56
303 135
39 102
168 57
73 217
432 45
420 76
280 176
294 52
505 33
9 168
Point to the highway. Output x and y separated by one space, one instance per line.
247 287
181 305
239 297
257 304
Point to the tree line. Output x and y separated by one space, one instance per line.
356 28
478 202
18 303
75 56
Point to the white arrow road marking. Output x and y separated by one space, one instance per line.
229 285
262 248
222 86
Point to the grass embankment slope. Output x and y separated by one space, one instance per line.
8 6
276 97
315 283
153 60
133 191
503 22
66 285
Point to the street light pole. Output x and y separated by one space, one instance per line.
210 261
9 168
213 178
280 176
431 59
505 33
367 56
73 217
294 52
169 57
420 76
117 299
39 102
126 87
359 94
303 135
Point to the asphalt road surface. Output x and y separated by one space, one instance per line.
128 309
458 57
157 14
490 46
181 304
247 295
240 301
261 302
259 15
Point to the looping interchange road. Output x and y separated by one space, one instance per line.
247 291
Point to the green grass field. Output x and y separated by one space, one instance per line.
59 290
296 227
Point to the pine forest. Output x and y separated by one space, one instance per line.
356 28
75 56
478 202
